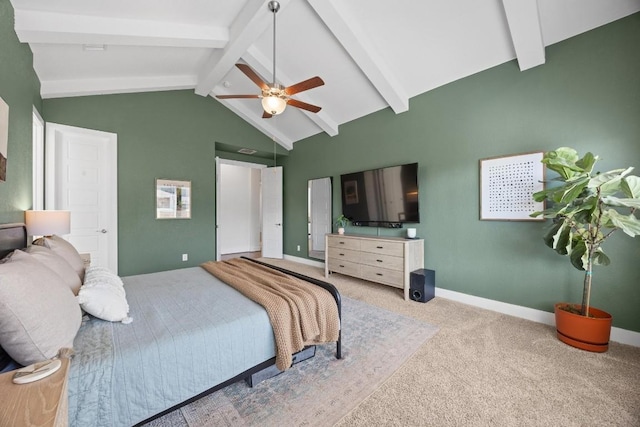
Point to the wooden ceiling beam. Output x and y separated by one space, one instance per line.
265 126
33 26
103 86
361 50
526 33
253 20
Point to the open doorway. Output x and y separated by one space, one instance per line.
239 209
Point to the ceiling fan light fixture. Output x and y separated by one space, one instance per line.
273 104
276 97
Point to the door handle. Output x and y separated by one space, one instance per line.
103 231
279 225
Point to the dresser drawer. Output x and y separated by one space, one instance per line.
344 267
341 242
383 261
344 254
380 247
382 275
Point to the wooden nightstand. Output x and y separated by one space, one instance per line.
40 403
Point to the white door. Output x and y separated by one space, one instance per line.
81 177
272 246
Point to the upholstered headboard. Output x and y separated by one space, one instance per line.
12 236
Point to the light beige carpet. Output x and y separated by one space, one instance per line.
488 369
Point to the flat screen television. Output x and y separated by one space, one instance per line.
384 197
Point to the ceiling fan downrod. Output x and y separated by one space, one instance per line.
274 7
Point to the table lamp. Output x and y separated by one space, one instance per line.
47 222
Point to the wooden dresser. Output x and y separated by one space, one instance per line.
386 260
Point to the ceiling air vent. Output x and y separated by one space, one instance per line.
247 151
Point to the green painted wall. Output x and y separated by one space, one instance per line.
586 95
19 88
161 135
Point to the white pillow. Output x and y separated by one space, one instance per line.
38 312
102 295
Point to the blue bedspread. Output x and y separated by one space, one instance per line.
189 333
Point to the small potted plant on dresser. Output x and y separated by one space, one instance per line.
587 208
341 222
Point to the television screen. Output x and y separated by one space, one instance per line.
385 196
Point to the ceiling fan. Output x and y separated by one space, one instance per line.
276 97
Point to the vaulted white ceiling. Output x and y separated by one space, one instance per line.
372 54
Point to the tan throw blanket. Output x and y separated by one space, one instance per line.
301 313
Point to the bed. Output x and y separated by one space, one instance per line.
191 334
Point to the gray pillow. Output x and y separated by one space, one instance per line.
65 250
55 262
38 313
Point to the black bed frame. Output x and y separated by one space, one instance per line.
14 236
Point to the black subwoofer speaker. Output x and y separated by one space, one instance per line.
422 285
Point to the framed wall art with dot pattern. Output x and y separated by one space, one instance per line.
507 184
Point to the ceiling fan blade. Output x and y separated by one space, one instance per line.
236 96
304 105
304 85
253 76
266 115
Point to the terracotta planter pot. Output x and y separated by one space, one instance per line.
586 333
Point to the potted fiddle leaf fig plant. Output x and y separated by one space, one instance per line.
341 222
587 208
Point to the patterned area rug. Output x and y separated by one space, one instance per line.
320 390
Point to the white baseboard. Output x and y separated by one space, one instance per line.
305 261
622 336
501 307
625 336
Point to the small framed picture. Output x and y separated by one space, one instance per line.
173 199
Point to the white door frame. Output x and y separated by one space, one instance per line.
220 161
38 160
51 186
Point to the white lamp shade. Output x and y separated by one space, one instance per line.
273 104
47 223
